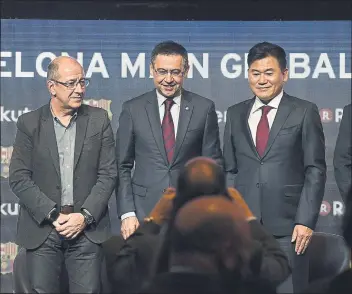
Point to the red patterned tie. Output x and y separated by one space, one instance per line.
263 131
168 130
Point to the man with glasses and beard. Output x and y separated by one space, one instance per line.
158 133
63 171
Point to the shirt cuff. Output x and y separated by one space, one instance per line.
50 212
126 215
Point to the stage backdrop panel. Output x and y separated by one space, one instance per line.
116 54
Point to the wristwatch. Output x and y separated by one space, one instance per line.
53 216
88 219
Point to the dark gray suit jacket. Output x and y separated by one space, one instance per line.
343 154
286 186
140 142
35 172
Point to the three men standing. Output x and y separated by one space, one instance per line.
63 167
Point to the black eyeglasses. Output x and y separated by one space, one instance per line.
73 84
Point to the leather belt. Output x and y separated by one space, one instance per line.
66 209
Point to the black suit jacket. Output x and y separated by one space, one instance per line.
343 154
286 186
140 145
130 263
35 172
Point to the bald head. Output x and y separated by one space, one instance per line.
200 176
201 169
65 64
66 84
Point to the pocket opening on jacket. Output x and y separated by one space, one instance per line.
139 190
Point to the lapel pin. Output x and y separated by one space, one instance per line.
187 108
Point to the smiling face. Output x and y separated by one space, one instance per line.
169 73
266 79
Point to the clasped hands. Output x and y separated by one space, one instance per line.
70 225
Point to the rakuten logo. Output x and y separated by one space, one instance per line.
328 115
12 115
336 209
9 209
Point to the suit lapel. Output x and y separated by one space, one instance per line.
49 133
186 111
81 128
281 115
153 114
247 130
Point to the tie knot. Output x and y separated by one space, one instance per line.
169 103
266 109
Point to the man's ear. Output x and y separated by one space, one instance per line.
285 73
151 69
186 72
50 86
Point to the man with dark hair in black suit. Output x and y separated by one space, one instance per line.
274 154
159 131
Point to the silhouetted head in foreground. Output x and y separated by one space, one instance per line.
210 234
199 177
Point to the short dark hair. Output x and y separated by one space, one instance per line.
170 48
266 49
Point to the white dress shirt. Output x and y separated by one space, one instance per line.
175 113
256 113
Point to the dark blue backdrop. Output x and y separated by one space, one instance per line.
115 54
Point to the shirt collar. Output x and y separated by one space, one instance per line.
57 120
161 99
274 103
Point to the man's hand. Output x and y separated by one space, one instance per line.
162 210
63 218
128 226
301 235
239 201
72 227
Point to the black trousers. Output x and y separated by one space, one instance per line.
298 280
80 256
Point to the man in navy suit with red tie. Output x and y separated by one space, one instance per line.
274 153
